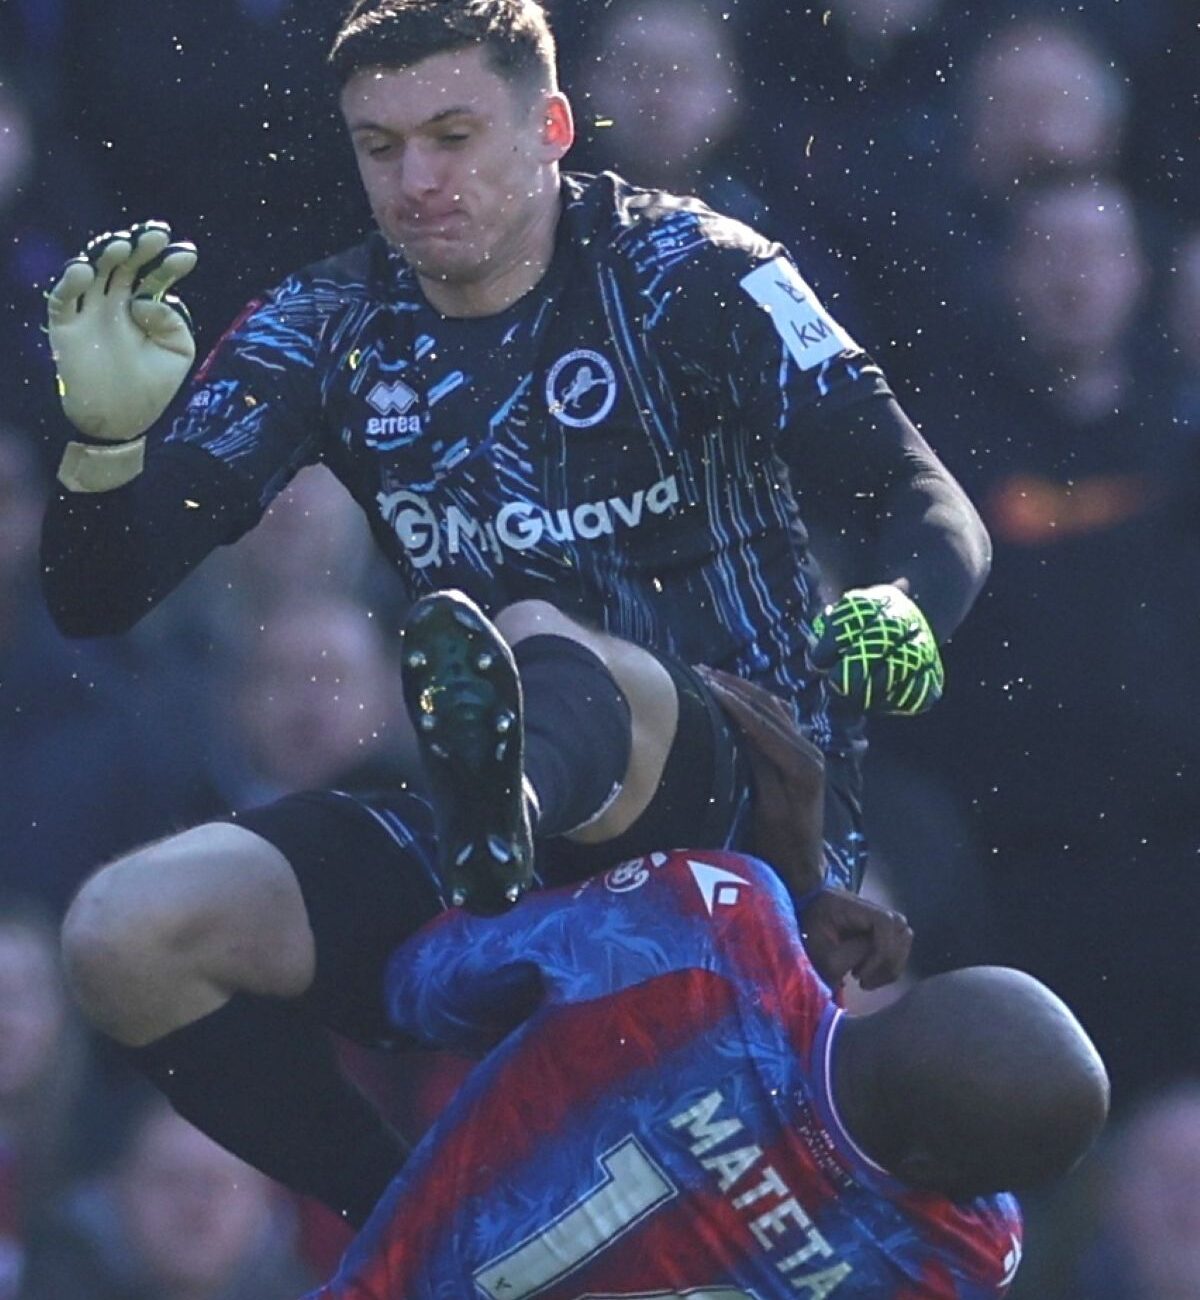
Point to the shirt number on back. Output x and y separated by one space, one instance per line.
631 1186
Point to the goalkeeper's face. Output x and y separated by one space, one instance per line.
459 164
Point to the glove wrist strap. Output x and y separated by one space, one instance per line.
93 468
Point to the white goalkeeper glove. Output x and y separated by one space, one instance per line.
123 346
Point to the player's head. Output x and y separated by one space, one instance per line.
974 1081
458 127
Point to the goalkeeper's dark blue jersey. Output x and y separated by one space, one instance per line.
616 442
661 1124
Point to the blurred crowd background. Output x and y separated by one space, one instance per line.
1000 201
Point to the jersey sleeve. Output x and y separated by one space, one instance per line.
255 403
740 324
749 333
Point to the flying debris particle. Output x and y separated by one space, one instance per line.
353 359
825 17
190 504
604 121
808 146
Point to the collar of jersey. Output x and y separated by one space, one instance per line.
864 1168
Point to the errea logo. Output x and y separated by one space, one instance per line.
393 400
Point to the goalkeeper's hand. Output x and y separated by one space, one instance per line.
878 651
122 344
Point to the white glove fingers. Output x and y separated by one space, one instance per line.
149 240
64 301
145 242
112 264
107 250
171 265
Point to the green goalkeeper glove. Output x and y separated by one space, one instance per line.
122 345
879 651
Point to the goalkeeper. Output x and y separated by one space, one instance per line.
601 413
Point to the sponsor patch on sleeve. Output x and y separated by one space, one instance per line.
811 334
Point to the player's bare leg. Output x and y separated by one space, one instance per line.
653 708
195 954
168 934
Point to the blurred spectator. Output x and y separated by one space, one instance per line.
90 768
313 538
661 97
1147 1246
1127 1225
1039 99
1074 282
42 1073
659 100
313 703
1042 99
176 1218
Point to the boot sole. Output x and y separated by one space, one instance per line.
463 695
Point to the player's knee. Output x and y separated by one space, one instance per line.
117 918
144 917
526 618
102 931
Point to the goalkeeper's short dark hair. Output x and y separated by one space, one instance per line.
514 34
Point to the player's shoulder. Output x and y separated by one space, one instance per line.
658 234
369 270
712 882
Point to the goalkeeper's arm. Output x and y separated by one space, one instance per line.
109 557
877 483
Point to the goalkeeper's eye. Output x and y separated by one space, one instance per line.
454 138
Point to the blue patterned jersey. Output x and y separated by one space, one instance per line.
618 441
660 1124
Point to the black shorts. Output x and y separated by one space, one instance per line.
365 860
